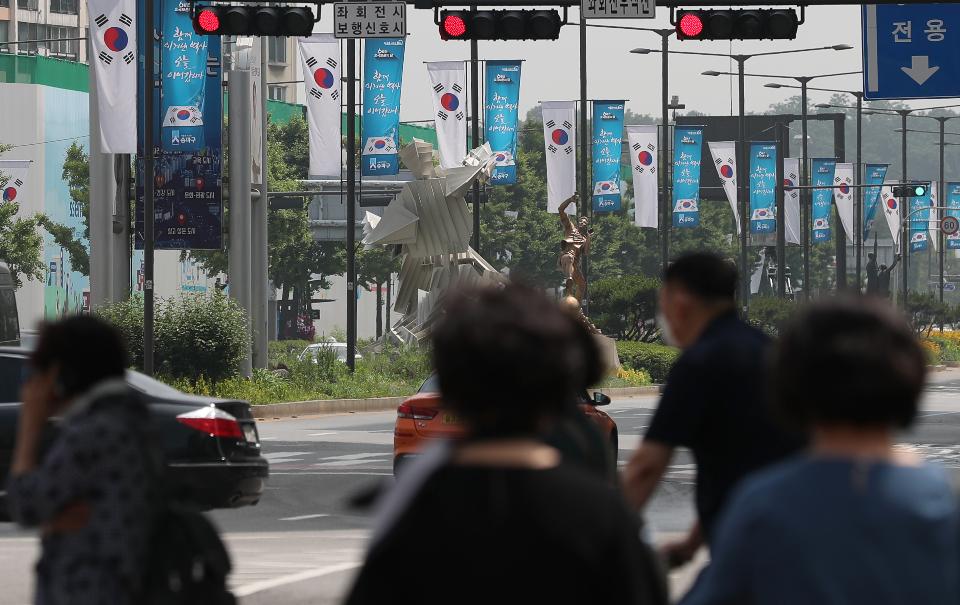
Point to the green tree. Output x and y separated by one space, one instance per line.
20 243
374 267
625 307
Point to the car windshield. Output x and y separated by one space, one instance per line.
149 386
430 385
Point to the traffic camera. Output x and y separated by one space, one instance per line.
499 25
737 24
222 20
911 190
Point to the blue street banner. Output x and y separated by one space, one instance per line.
188 205
607 146
823 171
919 209
763 191
873 177
183 62
382 80
953 209
500 116
687 151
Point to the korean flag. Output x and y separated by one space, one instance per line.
180 115
686 205
503 158
820 224
762 214
380 146
606 188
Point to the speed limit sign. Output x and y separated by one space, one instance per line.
949 225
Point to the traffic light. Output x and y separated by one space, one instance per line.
224 20
911 190
737 24
500 25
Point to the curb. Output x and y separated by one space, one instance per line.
293 409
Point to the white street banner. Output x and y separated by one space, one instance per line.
320 54
643 161
843 196
891 211
791 200
449 81
560 146
725 159
933 226
113 36
15 173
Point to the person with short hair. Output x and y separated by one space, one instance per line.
714 402
499 517
854 519
90 492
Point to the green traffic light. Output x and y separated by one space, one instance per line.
919 190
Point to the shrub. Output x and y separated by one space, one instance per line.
655 359
281 351
769 313
127 316
624 307
201 336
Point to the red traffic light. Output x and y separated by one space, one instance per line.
208 20
453 26
691 25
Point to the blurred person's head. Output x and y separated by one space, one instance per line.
510 360
697 288
849 363
871 256
82 351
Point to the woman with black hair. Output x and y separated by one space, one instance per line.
498 517
853 520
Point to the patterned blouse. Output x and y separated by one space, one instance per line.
96 458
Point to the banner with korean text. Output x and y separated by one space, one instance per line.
687 151
320 54
187 178
874 176
953 209
919 210
725 159
823 175
642 141
382 81
763 187
501 117
560 147
449 82
607 145
791 201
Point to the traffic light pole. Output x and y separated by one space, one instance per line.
666 202
839 149
805 198
781 212
942 193
741 187
148 121
475 132
905 231
351 203
858 213
586 199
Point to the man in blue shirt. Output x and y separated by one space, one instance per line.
854 520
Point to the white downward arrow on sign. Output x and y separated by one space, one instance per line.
920 70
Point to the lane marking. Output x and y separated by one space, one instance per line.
303 517
309 574
344 473
348 457
322 434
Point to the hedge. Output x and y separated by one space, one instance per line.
655 359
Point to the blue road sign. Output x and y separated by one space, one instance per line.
909 51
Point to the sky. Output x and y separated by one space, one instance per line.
551 70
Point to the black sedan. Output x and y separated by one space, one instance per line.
211 446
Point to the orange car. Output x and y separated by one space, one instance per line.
421 418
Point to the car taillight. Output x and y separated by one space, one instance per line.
213 421
408 411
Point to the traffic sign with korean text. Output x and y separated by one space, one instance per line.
617 9
369 19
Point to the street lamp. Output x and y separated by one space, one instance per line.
741 60
803 80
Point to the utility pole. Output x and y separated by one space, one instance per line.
586 198
259 255
666 203
239 256
149 120
742 177
475 130
904 210
351 203
839 150
101 199
781 214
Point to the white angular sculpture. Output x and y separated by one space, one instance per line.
432 224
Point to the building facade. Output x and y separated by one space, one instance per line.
60 21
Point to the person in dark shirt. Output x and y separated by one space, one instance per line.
89 493
853 520
714 401
498 517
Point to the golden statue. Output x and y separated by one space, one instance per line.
575 243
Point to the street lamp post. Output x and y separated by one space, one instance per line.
741 152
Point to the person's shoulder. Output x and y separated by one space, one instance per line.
769 488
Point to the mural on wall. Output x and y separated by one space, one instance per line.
65 290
